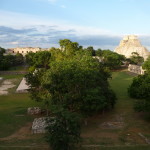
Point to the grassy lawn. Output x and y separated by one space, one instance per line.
120 148
133 123
13 116
13 108
13 112
19 68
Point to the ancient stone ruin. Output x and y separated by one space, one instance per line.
23 87
34 111
39 124
136 69
131 44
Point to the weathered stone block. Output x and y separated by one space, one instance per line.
34 110
39 124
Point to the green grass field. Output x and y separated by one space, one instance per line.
13 116
13 108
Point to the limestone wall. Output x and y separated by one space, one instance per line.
136 69
23 50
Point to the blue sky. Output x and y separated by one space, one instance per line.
100 23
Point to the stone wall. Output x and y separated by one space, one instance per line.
39 124
23 50
34 111
135 69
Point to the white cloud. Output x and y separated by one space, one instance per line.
48 32
13 43
18 20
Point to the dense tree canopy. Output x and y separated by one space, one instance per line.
140 89
90 50
69 47
146 65
78 83
111 59
64 130
136 59
40 59
8 61
78 86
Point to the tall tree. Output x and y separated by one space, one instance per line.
112 60
91 51
78 86
40 59
136 59
70 48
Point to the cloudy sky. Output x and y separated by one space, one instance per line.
98 23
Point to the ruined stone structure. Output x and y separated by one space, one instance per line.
34 111
23 87
131 44
23 50
39 124
136 69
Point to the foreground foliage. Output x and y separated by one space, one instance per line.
64 130
140 89
146 65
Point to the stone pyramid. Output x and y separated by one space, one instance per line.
131 44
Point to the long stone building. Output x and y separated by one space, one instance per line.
131 44
136 69
24 50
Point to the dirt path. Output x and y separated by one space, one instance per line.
5 85
22 133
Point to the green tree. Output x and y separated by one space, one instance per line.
2 61
99 52
64 130
140 89
71 84
2 51
19 59
29 58
91 51
136 59
74 81
70 48
40 59
146 65
112 60
8 61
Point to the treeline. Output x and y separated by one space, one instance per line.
109 58
8 61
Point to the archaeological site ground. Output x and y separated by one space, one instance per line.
122 128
